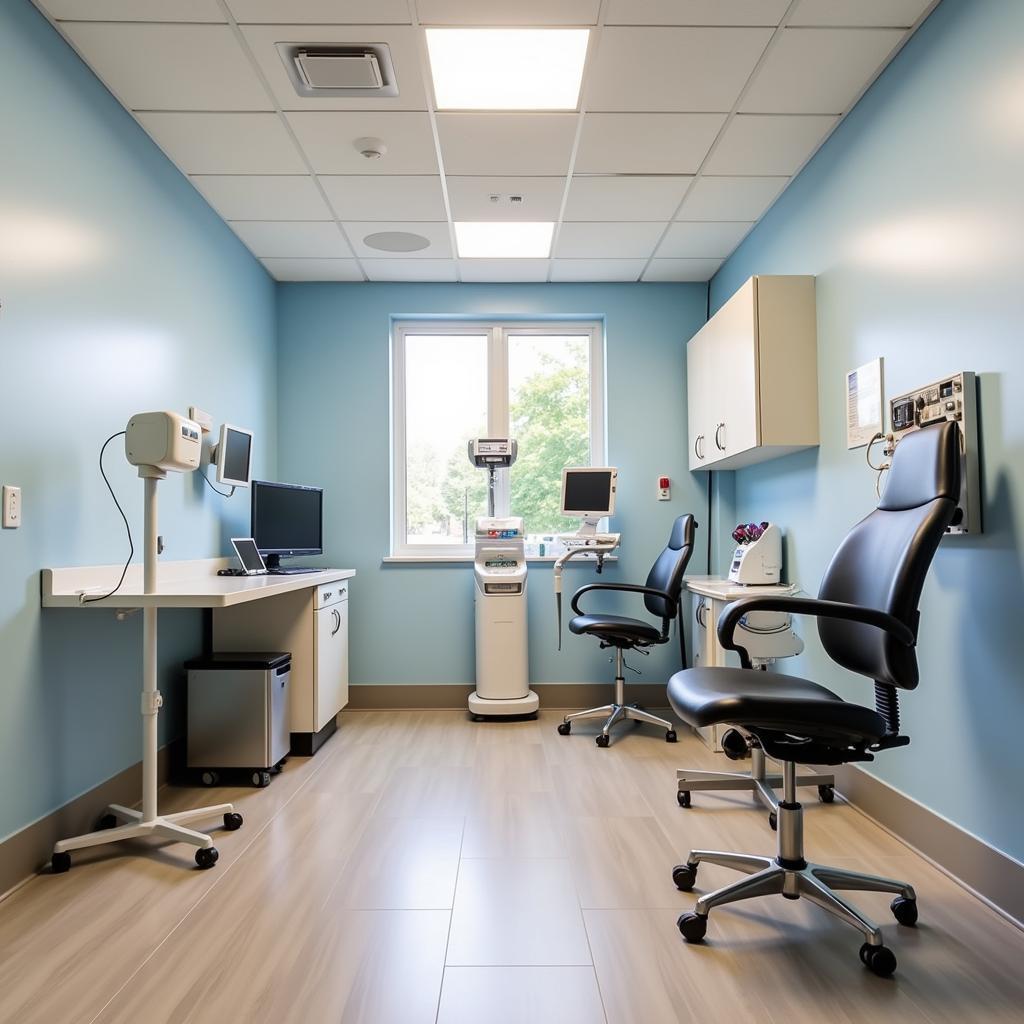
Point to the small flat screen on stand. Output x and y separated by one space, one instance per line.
588 491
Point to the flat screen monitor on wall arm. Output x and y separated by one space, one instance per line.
287 520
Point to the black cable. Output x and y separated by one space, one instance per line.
711 483
128 529
223 494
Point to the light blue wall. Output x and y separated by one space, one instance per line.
911 217
414 624
121 291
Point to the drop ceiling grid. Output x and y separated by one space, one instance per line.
622 263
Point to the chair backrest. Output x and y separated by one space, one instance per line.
667 572
884 559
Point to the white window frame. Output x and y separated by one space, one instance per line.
497 333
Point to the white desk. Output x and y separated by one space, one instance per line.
306 614
716 592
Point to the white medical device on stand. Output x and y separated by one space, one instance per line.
499 598
156 442
588 492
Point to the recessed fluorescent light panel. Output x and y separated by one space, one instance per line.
507 68
504 239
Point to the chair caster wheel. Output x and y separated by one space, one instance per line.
60 862
879 960
683 798
684 876
692 927
670 736
602 740
107 821
773 820
904 910
827 794
206 856
261 779
564 728
477 718
232 821
735 746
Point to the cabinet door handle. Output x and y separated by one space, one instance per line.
697 450
337 621
718 435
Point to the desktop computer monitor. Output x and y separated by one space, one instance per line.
287 520
588 493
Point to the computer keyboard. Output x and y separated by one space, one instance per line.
593 540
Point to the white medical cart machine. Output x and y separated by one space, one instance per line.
499 598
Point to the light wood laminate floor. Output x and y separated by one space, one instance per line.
426 868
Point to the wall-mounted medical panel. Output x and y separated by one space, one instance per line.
951 398
752 376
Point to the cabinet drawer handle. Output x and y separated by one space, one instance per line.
697 450
337 621
718 435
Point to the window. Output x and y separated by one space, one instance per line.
542 384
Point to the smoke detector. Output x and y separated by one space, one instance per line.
350 69
370 147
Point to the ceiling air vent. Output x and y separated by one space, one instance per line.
353 70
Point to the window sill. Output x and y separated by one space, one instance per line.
468 559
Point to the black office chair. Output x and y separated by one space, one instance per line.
661 598
868 620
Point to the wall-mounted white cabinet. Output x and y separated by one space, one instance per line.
752 376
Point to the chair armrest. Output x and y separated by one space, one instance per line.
733 612
631 588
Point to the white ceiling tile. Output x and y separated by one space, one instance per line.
889 13
263 197
596 270
170 67
696 12
627 197
470 198
401 40
299 269
818 70
607 240
437 236
684 69
504 270
291 238
730 198
768 144
134 10
506 144
327 138
385 196
321 12
702 239
682 270
225 143
410 270
504 12
645 143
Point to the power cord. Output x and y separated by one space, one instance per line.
128 529
223 494
881 467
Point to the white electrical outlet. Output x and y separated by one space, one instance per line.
12 507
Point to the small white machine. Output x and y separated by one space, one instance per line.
158 443
499 597
588 492
757 560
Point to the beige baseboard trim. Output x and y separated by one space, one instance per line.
994 877
449 696
23 854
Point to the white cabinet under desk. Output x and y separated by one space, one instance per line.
313 625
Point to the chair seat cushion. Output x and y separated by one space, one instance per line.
771 701
615 627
